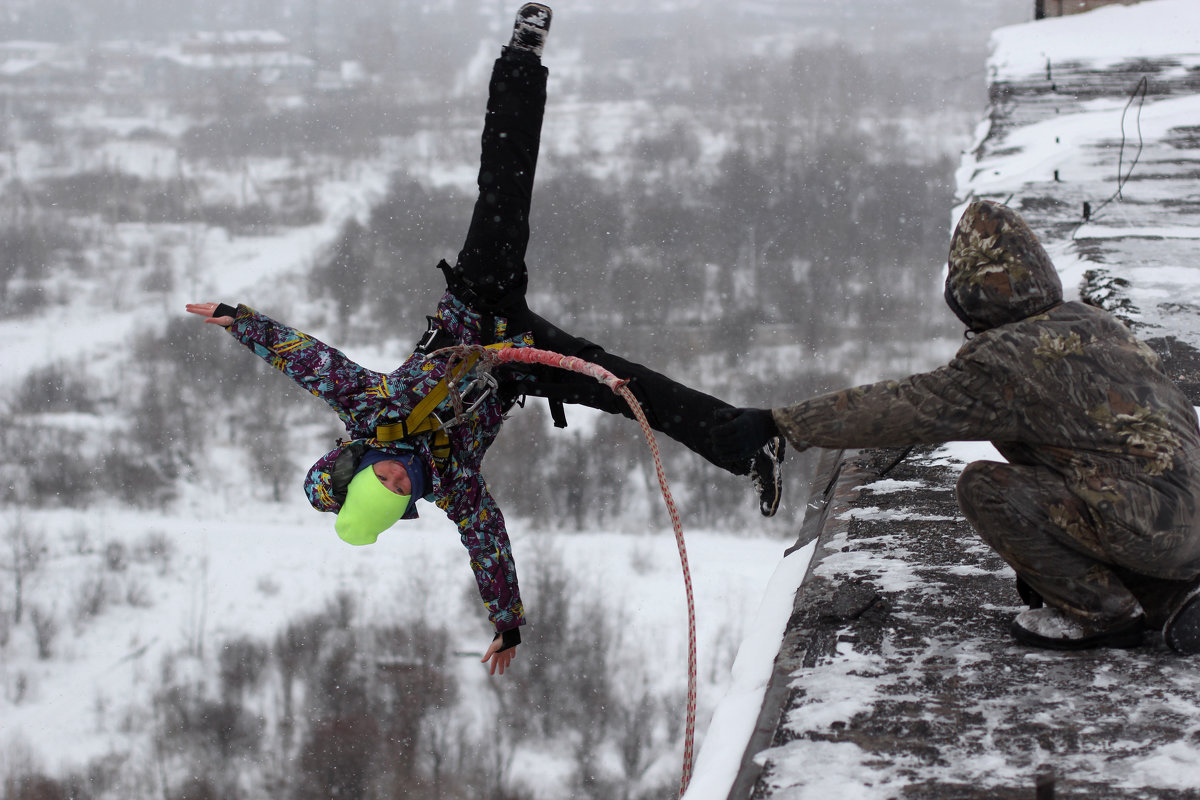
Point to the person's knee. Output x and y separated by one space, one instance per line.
976 484
980 489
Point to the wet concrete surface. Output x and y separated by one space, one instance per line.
898 652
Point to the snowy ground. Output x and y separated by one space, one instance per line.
247 574
237 569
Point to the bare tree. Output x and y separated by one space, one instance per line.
45 630
24 551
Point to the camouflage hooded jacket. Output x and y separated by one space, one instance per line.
365 399
1063 386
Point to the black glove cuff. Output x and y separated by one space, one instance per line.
769 422
224 310
511 637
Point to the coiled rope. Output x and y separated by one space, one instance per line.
531 355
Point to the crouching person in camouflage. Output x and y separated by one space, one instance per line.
1096 508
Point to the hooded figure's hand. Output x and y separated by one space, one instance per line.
742 432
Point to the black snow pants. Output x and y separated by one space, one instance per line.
491 276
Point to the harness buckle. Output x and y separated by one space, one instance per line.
433 339
472 396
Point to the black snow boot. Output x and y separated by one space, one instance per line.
531 28
766 470
1029 596
1182 630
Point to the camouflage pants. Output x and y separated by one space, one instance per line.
1050 538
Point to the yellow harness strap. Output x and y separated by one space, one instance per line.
421 419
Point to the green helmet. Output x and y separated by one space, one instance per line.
370 509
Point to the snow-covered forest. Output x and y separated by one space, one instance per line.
753 198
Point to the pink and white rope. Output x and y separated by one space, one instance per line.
531 355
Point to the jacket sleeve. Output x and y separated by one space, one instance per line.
962 401
322 370
481 527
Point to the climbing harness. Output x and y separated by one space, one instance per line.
464 401
483 359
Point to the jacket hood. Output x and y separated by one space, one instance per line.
319 482
999 271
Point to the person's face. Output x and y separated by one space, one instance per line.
393 476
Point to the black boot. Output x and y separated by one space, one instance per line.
1029 596
766 470
1182 630
531 28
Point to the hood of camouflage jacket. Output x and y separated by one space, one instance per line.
999 272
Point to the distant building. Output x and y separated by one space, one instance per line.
1061 8
234 46
205 65
118 68
40 76
23 50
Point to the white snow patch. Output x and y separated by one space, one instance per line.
736 715
893 514
1107 35
824 770
888 485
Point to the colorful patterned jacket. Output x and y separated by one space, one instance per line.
1062 385
365 399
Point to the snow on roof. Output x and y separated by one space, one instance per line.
238 60
238 37
28 46
246 49
18 66
1102 37
1095 137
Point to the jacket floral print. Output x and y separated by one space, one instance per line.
365 399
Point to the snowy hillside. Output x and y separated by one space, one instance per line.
142 601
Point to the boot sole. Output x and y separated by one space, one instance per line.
776 448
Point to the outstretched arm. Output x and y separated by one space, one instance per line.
483 532
965 400
969 399
350 389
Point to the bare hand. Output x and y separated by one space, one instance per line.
500 661
206 310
